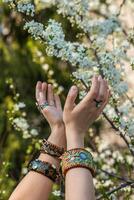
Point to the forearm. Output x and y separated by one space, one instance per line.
35 186
79 181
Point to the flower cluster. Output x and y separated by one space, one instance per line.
74 53
17 116
27 8
78 11
35 29
49 72
21 125
75 10
22 6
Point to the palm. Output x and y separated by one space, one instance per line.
53 111
53 115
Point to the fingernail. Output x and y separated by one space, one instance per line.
38 82
73 88
100 77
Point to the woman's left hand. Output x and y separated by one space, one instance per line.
52 111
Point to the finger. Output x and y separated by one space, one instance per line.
38 90
102 90
106 101
50 95
93 90
71 97
44 91
41 98
57 102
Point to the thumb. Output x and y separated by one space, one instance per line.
71 97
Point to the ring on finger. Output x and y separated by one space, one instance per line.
42 106
98 103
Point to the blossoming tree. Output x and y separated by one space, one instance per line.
102 46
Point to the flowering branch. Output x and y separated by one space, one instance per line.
117 176
123 185
115 107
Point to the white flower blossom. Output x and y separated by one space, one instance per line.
35 29
131 127
21 123
26 7
56 193
125 107
19 105
24 170
34 132
110 111
78 12
74 53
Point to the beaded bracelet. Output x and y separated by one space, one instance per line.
77 158
46 169
51 149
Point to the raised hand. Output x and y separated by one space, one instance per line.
52 105
78 118
52 111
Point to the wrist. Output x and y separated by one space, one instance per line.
74 139
58 128
58 136
75 143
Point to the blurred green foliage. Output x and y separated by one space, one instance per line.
22 59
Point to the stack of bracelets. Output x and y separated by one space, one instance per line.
73 158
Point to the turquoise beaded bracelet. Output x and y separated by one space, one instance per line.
77 158
45 168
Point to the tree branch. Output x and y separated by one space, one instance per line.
117 176
123 185
115 107
122 4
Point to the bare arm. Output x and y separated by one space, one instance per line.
35 186
77 118
79 182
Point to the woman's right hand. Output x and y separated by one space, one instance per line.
78 118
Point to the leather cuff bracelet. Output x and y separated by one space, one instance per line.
46 169
51 149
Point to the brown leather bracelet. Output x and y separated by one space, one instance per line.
51 149
45 168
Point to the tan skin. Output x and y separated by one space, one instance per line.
68 128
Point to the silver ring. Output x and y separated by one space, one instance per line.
98 103
42 106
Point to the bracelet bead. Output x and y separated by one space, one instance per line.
51 149
77 157
45 168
